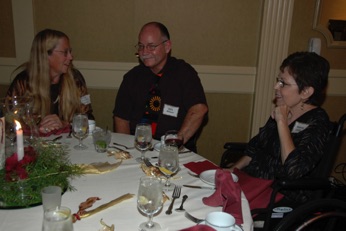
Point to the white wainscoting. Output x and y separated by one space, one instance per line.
215 79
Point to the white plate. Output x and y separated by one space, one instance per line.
157 147
235 227
208 177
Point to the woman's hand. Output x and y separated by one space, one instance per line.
50 123
281 113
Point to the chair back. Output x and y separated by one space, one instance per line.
324 167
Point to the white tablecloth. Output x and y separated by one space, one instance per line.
125 216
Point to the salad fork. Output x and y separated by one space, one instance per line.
175 195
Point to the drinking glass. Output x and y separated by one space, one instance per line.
173 137
149 200
80 129
168 163
143 137
57 219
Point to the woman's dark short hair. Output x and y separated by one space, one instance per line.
309 70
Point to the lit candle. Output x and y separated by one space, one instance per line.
20 142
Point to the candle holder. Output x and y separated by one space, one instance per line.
15 122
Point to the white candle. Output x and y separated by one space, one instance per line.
20 141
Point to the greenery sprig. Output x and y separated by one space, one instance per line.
51 167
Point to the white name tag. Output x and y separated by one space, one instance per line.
298 127
170 110
85 99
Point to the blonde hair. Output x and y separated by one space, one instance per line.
39 79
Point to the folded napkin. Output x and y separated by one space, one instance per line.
227 195
199 228
99 168
256 190
201 166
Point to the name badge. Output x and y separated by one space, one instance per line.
170 110
298 127
85 99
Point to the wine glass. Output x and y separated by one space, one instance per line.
168 163
80 129
143 139
149 200
173 137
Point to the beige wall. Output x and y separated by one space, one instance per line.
219 38
203 32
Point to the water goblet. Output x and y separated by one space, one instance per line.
173 137
143 137
80 129
168 163
149 201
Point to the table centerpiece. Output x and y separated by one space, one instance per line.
43 164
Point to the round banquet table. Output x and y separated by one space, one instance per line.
108 186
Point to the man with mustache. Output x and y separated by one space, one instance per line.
163 91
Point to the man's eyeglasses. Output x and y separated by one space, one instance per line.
282 83
65 52
150 47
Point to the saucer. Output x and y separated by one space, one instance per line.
208 177
234 228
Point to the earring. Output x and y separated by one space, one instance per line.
302 106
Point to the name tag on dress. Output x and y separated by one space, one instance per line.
298 127
85 99
170 110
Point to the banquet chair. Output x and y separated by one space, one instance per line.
317 181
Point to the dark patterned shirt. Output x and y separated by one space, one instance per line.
265 150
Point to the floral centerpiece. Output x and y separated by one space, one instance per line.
46 164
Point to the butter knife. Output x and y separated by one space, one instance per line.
119 149
200 187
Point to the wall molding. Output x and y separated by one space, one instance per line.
215 79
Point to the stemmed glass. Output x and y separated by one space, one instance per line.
149 200
143 139
173 137
168 163
80 129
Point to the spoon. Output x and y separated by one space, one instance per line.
181 209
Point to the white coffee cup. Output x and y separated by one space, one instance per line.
220 221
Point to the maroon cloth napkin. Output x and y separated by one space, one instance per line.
227 195
256 190
201 166
199 228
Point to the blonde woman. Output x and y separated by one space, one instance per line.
49 78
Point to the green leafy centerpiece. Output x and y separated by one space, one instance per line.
46 164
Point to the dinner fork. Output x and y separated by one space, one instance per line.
175 195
